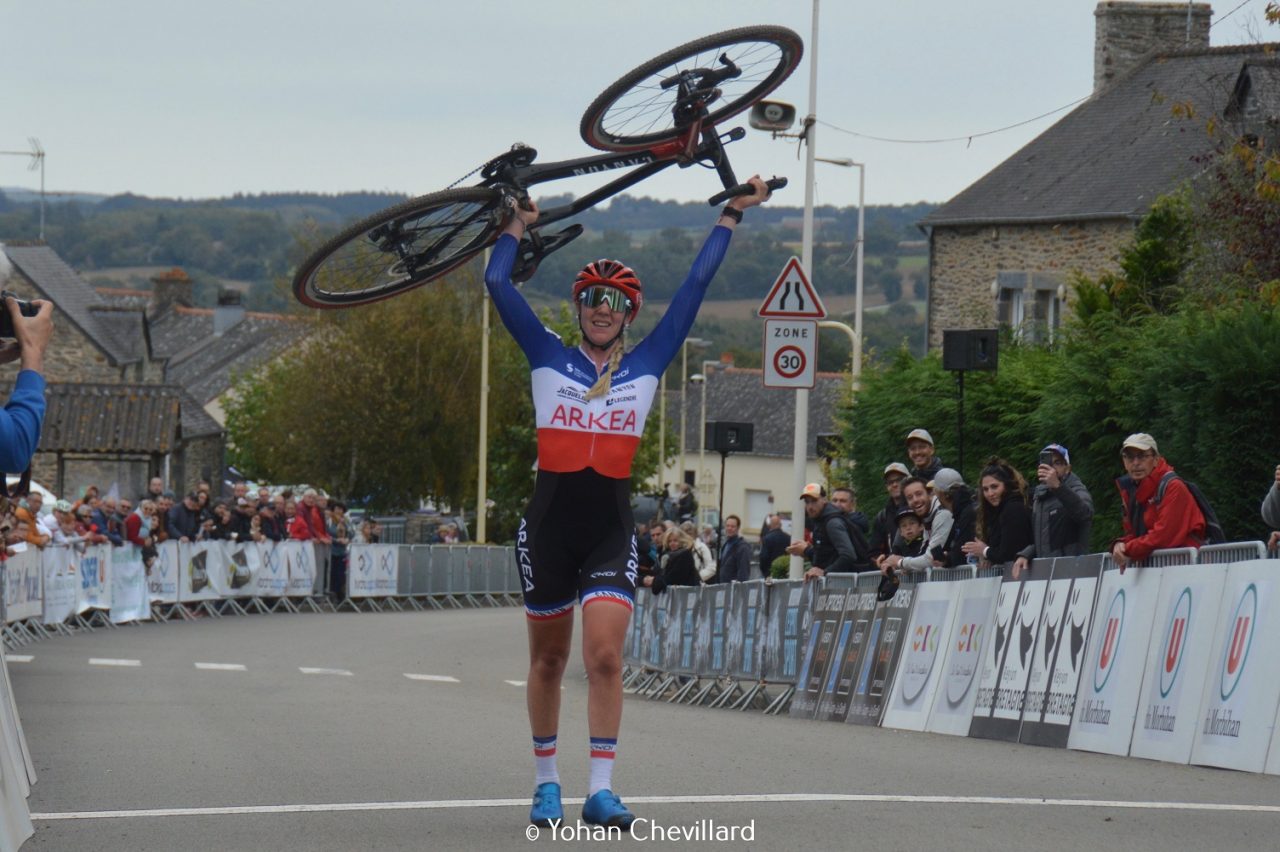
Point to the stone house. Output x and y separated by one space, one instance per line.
1004 251
135 377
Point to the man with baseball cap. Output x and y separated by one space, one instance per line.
921 452
1061 511
1150 524
884 526
837 545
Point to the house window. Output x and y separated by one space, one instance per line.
1029 303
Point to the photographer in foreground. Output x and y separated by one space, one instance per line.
25 339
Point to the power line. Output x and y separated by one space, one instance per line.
966 138
1229 14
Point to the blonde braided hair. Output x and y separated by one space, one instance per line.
601 387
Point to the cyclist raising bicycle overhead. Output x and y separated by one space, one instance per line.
577 537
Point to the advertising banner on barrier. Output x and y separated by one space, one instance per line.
1243 683
1181 633
1111 683
966 649
879 659
61 583
371 570
162 579
682 609
227 569
15 775
708 647
654 640
22 585
299 559
744 637
997 714
819 647
920 667
631 653
270 577
95 582
860 611
129 600
790 611
1060 651
198 560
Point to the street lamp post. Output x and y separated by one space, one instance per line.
700 483
857 306
684 394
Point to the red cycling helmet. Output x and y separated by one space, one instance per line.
610 273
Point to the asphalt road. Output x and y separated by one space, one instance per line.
165 755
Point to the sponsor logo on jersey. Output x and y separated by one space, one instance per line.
571 417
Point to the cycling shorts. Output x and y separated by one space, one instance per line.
576 542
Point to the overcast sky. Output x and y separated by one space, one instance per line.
196 100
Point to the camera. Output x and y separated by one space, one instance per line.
6 320
1046 457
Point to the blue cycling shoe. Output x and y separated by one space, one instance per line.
605 808
546 805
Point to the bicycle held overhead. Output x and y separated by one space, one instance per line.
664 113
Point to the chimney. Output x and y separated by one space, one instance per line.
228 313
1127 32
170 288
726 359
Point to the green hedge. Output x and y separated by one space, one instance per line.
1205 384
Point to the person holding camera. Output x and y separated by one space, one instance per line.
1061 511
23 338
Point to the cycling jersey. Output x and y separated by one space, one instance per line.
577 538
602 433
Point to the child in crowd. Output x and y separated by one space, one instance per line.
911 540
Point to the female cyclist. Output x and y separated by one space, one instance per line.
577 538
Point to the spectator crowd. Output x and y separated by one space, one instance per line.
932 518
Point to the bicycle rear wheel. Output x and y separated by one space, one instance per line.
400 248
636 113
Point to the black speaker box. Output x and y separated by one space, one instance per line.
970 349
727 437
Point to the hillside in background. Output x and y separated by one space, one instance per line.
252 242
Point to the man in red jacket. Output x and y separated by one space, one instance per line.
1173 521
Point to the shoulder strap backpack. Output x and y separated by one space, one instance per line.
1214 533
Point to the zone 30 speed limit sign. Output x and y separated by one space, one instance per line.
790 352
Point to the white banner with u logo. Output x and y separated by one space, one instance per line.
1242 686
1177 660
371 570
1108 694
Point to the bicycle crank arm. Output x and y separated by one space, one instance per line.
774 184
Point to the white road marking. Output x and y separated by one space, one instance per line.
438 678
105 661
762 798
516 682
18 658
342 672
221 667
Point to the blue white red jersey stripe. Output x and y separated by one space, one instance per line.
603 434
611 595
541 613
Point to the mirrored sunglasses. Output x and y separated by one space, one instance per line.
594 297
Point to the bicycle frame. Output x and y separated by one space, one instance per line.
644 164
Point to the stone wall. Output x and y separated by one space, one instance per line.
965 261
71 356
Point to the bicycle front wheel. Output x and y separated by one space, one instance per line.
636 113
400 248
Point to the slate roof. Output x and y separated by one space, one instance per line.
196 422
738 394
204 363
102 418
1111 156
125 328
74 298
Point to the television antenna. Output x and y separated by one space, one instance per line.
37 162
